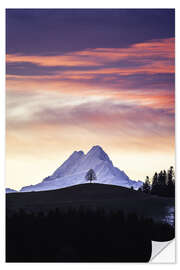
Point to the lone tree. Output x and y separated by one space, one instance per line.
90 175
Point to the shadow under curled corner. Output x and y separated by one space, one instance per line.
158 254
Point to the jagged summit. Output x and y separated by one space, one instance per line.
78 153
74 169
98 152
96 148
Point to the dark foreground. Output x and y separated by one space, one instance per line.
92 196
80 231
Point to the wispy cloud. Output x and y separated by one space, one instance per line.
155 56
121 117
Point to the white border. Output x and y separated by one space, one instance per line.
90 4
2 136
74 4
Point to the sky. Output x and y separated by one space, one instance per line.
78 78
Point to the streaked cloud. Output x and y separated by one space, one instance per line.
142 73
103 115
154 49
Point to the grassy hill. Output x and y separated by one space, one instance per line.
92 196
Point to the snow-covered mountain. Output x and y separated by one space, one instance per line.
10 190
74 169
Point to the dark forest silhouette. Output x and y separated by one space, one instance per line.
163 184
82 235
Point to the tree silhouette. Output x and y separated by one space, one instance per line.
171 182
154 188
90 176
146 185
163 183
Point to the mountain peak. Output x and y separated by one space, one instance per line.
74 169
78 153
68 165
96 147
97 152
10 190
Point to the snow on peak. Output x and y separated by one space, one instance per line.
79 153
10 190
68 166
98 152
74 169
76 154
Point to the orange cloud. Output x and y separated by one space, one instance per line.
154 99
78 87
60 60
155 57
163 48
80 82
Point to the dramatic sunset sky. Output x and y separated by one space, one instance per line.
78 78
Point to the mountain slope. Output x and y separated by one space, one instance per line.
74 169
10 190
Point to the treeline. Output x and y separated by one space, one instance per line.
162 184
82 236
